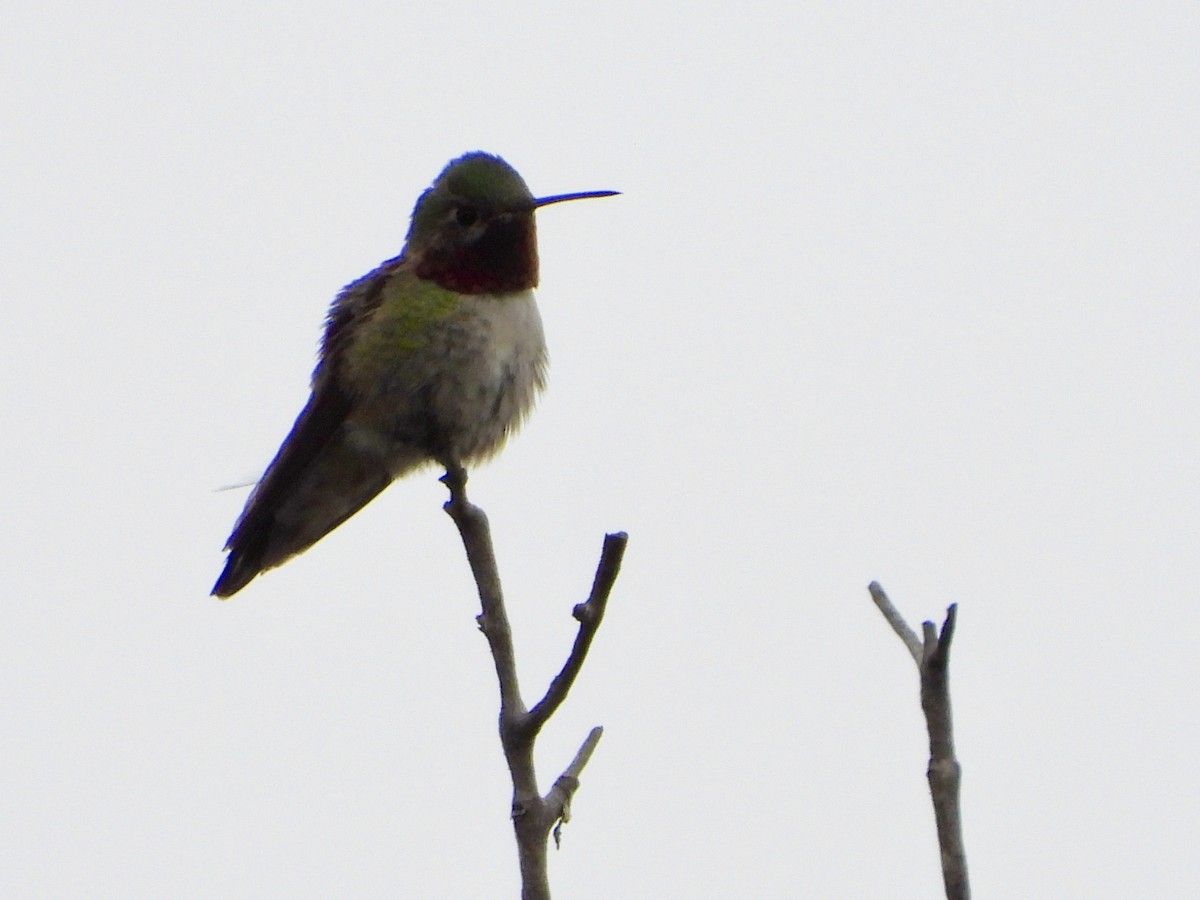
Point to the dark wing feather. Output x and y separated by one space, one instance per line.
316 427
313 454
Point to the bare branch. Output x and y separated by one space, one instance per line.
493 620
932 657
945 772
911 641
533 815
589 615
584 753
558 801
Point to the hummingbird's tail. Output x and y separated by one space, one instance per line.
327 470
239 569
278 524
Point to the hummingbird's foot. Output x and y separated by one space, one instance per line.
456 480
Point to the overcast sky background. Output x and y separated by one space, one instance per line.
897 292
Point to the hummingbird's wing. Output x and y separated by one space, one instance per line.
319 478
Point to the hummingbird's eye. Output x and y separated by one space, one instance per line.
466 216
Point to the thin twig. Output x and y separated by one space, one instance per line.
558 801
932 656
911 641
945 772
476 535
589 614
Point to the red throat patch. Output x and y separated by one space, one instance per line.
502 260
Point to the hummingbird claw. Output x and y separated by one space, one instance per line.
456 480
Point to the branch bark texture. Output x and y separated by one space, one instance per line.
533 815
932 656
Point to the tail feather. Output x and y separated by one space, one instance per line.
240 569
334 486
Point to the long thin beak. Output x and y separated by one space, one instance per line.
583 195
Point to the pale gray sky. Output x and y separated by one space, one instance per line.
906 294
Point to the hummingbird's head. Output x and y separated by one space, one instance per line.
473 230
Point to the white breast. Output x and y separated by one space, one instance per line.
499 366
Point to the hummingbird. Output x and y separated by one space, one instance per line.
436 356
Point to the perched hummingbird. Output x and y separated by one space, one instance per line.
435 356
